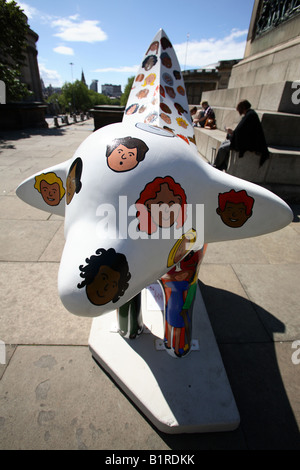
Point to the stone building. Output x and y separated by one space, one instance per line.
113 91
211 78
30 73
30 112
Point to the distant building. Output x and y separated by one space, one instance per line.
214 77
113 91
49 90
94 86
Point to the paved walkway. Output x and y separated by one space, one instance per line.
53 395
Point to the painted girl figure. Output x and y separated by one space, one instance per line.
179 286
162 203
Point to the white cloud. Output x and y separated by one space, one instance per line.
64 50
70 29
50 77
32 12
29 11
207 51
126 69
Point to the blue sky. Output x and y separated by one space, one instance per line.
108 39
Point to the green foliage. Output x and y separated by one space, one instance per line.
77 97
15 89
13 31
124 97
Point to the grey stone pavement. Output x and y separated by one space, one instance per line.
53 394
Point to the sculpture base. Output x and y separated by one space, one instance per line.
183 395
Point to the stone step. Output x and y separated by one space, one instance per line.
281 129
281 96
275 63
208 142
280 173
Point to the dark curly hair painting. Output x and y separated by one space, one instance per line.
106 276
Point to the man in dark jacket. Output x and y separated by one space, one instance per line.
248 135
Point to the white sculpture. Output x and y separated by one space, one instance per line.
140 205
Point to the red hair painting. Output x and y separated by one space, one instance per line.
161 203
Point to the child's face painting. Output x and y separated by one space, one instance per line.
104 286
234 215
166 60
122 158
71 185
165 207
149 63
50 193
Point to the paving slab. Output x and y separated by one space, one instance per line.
234 251
12 208
275 292
31 310
11 177
26 240
55 248
55 397
38 394
282 247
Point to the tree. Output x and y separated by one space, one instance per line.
75 97
13 33
124 97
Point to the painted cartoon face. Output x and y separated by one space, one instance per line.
132 109
104 286
142 93
71 185
149 62
234 215
122 158
50 193
165 207
150 79
166 60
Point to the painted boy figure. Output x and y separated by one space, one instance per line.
126 153
50 186
235 208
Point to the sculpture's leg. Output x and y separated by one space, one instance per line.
179 286
177 320
129 316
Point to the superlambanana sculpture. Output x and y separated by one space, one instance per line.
140 205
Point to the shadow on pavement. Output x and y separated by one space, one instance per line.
27 133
